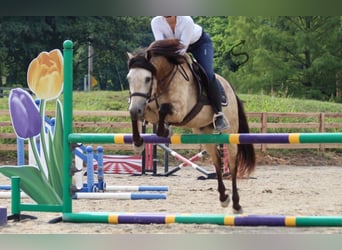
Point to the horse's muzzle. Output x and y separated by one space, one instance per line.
136 113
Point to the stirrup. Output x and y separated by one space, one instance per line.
220 114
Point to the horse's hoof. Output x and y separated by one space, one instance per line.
225 203
240 211
138 149
170 131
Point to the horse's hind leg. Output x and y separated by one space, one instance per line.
216 158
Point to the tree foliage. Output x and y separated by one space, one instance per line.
297 56
288 56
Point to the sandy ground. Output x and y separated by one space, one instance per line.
272 190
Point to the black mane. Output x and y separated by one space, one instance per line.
168 48
140 61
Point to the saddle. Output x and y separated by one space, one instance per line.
202 85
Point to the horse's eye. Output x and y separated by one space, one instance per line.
148 79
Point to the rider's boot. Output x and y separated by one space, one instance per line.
219 120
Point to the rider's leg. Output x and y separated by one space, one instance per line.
203 51
215 97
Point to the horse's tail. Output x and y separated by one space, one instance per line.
245 160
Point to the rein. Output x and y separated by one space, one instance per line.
165 85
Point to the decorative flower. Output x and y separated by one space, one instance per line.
42 182
45 75
24 114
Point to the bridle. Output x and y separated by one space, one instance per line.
142 62
162 84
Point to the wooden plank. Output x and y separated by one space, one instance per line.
6 124
292 114
264 123
333 125
293 125
102 124
8 136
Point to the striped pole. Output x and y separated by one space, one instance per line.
250 138
180 166
117 188
183 159
217 219
119 196
138 188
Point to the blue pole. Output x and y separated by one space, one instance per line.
20 152
90 168
100 175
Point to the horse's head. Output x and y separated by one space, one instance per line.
156 64
140 79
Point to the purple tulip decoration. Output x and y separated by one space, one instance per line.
24 113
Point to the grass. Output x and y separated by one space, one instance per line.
265 103
118 100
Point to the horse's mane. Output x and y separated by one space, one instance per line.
139 60
168 48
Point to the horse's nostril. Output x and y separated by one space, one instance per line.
135 113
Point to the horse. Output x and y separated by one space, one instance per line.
163 91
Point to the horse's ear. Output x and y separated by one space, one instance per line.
148 55
130 55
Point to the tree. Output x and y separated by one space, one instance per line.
298 56
112 38
23 38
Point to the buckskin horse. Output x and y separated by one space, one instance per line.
164 90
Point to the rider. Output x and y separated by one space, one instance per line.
198 42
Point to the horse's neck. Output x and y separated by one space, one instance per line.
163 67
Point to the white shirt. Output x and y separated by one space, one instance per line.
185 30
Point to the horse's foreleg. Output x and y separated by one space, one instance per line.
138 142
162 130
233 165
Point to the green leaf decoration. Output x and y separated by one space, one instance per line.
52 165
32 183
58 147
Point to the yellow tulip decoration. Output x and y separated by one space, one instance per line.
45 80
45 75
